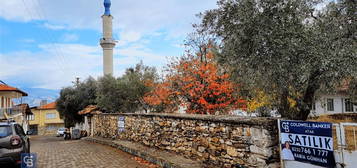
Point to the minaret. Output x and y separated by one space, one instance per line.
107 42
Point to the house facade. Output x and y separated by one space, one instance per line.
45 120
333 103
22 118
9 110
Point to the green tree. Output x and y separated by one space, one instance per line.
75 98
286 48
125 94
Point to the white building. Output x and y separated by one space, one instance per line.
333 103
7 107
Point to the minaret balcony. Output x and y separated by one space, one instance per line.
107 42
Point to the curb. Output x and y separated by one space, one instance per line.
145 154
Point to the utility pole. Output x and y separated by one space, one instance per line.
76 82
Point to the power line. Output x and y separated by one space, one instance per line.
42 17
51 38
3 82
32 18
59 49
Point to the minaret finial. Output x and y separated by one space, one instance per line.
107 5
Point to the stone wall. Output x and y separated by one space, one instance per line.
224 141
44 130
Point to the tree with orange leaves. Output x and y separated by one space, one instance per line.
196 82
161 98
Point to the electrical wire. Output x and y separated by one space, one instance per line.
59 48
33 18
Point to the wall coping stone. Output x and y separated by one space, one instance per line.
231 119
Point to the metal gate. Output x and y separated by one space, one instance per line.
345 144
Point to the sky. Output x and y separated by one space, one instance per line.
48 43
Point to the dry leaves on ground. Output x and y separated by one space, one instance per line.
145 162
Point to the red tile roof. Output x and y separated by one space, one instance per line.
48 106
9 88
344 85
91 109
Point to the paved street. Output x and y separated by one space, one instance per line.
54 152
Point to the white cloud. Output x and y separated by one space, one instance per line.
53 67
139 53
53 26
70 37
136 22
18 10
130 36
141 16
56 65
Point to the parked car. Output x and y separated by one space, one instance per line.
60 132
13 142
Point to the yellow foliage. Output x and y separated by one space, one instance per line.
259 100
292 102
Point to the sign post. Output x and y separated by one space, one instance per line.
306 142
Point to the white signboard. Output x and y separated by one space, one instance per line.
121 124
306 143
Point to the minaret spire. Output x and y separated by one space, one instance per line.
107 42
107 5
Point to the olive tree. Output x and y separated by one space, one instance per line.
290 49
75 98
125 94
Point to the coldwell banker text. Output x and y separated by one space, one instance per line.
310 142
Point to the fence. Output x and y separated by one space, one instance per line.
345 144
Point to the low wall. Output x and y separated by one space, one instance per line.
43 130
223 141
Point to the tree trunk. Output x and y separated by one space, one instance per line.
308 99
284 104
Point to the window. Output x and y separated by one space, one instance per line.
50 115
30 117
348 105
330 105
5 131
51 127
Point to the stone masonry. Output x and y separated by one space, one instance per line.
224 141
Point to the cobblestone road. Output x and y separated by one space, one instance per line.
54 152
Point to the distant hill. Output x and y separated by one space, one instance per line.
35 95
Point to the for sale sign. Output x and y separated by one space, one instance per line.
309 142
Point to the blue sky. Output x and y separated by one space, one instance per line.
47 43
